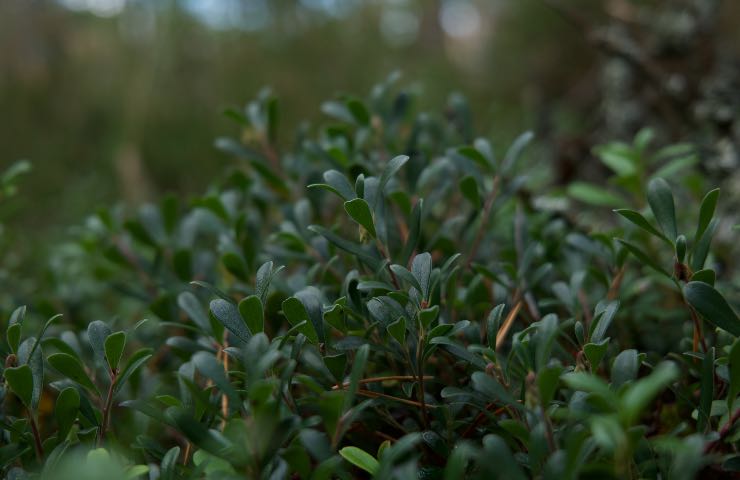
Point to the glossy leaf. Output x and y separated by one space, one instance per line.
360 212
712 306
660 198
114 345
250 309
71 367
228 314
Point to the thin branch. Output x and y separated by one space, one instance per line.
401 378
501 334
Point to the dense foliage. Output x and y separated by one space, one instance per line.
393 297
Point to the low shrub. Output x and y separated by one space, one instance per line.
389 297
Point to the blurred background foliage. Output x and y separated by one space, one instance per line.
121 99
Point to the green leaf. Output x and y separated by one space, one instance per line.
13 336
393 166
358 369
235 264
706 212
706 391
712 306
469 188
428 315
619 157
97 332
515 150
207 364
637 219
135 361
594 195
595 352
548 379
603 318
296 313
706 276
169 464
403 273
637 397
337 182
625 368
358 110
701 248
71 368
114 345
585 382
475 155
347 246
336 365
65 410
643 257
20 380
421 267
491 388
228 314
680 248
397 330
263 278
182 264
360 458
251 311
360 212
190 304
660 199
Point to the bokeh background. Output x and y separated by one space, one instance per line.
120 100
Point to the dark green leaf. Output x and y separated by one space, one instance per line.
706 212
706 391
360 212
71 367
637 219
228 314
660 199
397 330
643 257
421 267
250 309
625 368
97 332
190 304
358 370
135 361
20 380
114 345
641 393
712 306
706 276
701 248
65 410
469 188
296 313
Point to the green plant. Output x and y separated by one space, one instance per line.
384 298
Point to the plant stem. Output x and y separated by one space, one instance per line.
38 446
384 379
224 398
107 407
420 374
698 336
